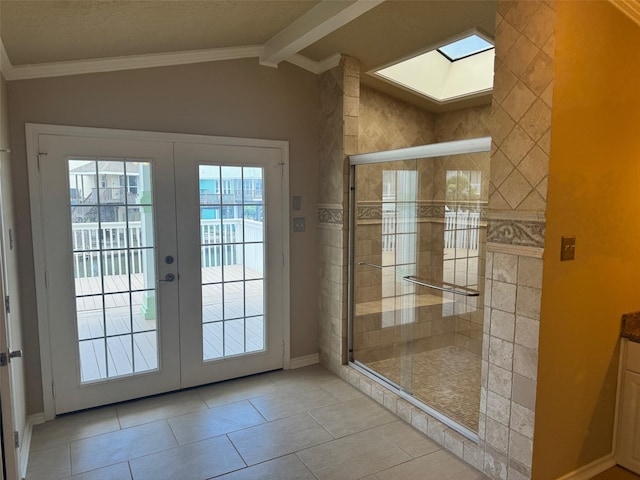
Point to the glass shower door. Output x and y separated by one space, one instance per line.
418 276
387 238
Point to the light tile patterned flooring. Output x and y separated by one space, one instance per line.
284 425
447 379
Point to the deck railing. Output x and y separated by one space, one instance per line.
222 244
461 230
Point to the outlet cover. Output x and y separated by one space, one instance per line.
298 224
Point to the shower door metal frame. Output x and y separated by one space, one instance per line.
473 145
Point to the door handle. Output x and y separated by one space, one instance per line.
15 354
169 277
5 358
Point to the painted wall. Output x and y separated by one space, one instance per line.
235 98
594 174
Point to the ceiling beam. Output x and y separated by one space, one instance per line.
320 21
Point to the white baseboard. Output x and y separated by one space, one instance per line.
304 361
592 469
25 445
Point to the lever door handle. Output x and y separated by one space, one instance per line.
169 277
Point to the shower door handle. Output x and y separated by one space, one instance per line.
371 265
456 290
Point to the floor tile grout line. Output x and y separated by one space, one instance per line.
305 465
244 460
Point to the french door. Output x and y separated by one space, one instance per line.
162 263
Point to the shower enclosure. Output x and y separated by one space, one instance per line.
417 262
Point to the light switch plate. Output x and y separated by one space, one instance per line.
568 248
297 203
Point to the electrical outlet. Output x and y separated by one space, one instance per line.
298 224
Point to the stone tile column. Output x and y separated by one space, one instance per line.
339 101
521 129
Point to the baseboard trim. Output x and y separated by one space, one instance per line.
25 446
304 361
592 469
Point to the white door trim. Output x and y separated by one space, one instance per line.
33 130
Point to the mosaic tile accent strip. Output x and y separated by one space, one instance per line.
330 215
514 232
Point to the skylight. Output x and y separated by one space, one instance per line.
451 71
465 47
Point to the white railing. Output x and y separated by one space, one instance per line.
90 240
461 230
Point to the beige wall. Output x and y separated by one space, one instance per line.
593 194
235 98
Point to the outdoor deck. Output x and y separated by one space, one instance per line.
129 343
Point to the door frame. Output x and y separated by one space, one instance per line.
33 130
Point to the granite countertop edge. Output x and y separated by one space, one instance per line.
630 327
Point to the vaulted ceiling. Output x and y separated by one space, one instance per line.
308 33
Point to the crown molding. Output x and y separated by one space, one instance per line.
133 62
329 62
79 67
313 66
5 65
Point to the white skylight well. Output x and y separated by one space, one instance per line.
455 69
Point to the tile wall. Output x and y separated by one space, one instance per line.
520 128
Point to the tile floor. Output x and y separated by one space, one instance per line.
284 425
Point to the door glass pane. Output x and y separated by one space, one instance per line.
114 267
232 252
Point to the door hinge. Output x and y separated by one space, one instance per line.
7 305
3 359
16 438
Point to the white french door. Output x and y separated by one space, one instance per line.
231 300
163 263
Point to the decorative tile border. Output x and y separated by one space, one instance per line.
516 232
373 210
330 215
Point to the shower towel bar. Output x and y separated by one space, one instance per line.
453 289
372 265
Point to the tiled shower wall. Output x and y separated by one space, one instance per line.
385 123
520 128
